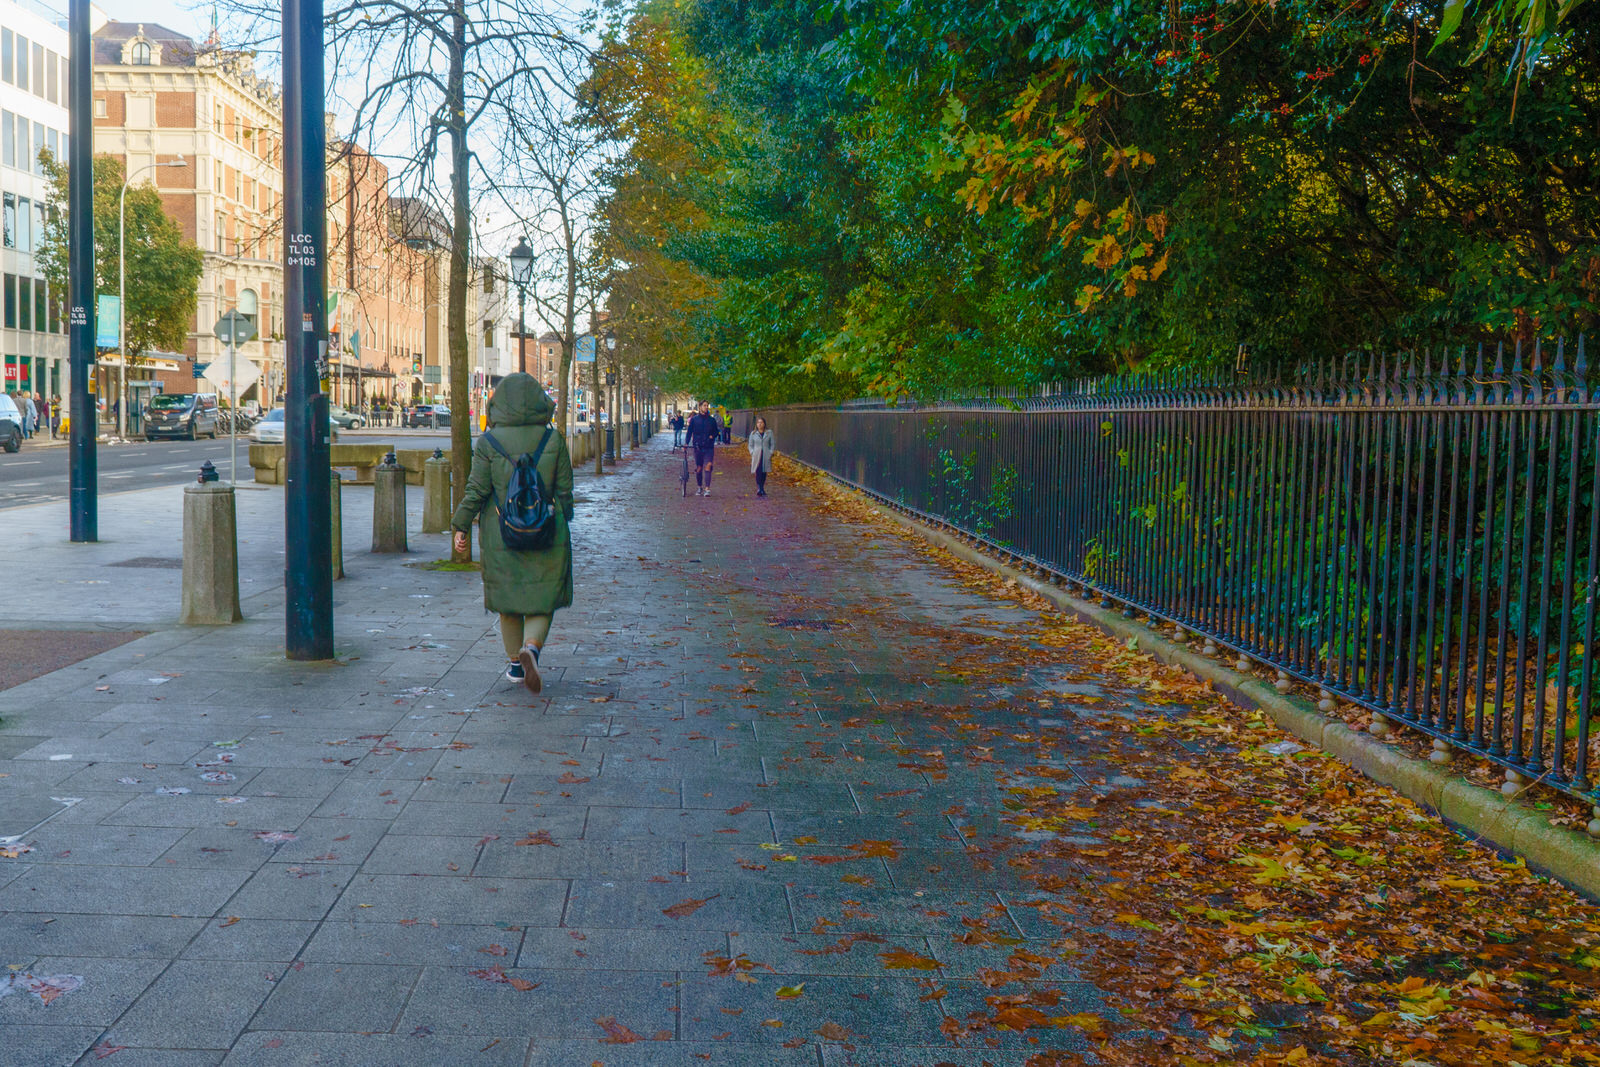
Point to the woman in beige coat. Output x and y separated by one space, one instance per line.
761 452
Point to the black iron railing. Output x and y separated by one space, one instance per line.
1418 537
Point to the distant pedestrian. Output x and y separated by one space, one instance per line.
761 453
702 433
30 415
676 422
525 586
56 412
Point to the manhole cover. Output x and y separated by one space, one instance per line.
152 563
802 624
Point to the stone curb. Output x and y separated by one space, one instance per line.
1487 816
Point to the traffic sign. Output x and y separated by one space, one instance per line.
245 374
200 369
234 328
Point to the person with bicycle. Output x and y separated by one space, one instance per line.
702 433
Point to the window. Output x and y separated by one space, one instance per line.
10 224
34 162
39 314
21 79
10 282
488 335
8 138
220 234
38 70
24 303
100 107
24 225
55 310
23 153
7 58
52 144
488 281
52 77
140 54
248 305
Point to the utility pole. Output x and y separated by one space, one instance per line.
82 467
308 576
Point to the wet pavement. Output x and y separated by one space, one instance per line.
741 825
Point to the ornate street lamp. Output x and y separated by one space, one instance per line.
522 276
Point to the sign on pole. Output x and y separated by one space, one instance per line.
107 320
586 348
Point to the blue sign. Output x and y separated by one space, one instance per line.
200 369
107 320
586 348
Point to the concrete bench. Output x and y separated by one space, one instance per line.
268 463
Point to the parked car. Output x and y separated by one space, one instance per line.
181 415
268 430
431 416
347 420
10 424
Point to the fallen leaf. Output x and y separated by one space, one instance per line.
537 837
616 1033
685 908
899 959
791 992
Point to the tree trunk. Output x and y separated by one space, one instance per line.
460 246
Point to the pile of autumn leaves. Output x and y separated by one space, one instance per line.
1256 902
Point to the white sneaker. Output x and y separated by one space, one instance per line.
706 493
699 490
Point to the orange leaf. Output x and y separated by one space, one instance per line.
616 1033
568 778
900 959
684 908
537 837
739 809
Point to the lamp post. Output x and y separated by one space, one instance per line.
521 275
615 414
122 288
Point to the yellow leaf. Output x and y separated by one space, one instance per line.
790 992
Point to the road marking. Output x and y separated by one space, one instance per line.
180 451
132 454
24 462
24 485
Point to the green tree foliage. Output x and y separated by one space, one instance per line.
163 275
876 196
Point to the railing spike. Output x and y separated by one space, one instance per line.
1499 358
1516 357
1561 354
1581 367
1538 355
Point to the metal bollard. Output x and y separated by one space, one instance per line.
436 493
210 553
389 506
336 513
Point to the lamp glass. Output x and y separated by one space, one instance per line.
522 263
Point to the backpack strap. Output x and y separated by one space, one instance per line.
494 444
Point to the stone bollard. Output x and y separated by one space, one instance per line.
210 553
336 514
388 506
436 493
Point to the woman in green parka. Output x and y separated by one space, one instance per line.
525 587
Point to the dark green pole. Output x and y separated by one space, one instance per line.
308 515
84 508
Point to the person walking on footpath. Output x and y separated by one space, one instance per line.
761 452
525 586
702 433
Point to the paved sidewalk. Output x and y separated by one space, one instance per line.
794 795
399 859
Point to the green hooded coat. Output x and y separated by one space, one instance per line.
525 582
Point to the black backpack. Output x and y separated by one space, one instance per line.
528 515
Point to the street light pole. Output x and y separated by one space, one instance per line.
122 290
521 258
308 576
83 510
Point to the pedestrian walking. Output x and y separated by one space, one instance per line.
524 586
676 422
703 432
30 415
761 452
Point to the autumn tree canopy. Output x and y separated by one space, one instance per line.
876 197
